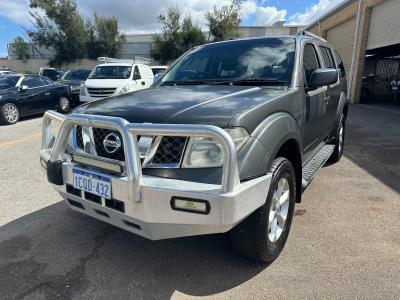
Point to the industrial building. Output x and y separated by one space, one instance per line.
366 34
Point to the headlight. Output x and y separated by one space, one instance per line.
75 88
83 90
207 153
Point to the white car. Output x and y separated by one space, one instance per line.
116 77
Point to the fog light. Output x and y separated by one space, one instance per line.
190 205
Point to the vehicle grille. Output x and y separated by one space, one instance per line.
101 92
99 135
170 150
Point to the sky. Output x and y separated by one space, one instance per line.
139 16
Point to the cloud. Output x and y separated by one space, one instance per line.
262 15
313 12
16 10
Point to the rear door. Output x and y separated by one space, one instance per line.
333 91
314 126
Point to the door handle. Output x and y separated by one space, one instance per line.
46 94
143 83
327 99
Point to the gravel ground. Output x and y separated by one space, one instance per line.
344 242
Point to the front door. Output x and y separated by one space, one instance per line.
33 99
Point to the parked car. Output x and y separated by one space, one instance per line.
226 140
158 71
50 73
74 79
5 72
23 95
116 77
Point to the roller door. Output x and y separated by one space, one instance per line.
384 28
341 38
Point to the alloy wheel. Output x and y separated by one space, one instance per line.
64 104
279 209
11 113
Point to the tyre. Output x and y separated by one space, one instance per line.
262 235
9 114
63 104
339 141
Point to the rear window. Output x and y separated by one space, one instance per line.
340 65
328 57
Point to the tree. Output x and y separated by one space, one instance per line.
58 25
20 48
104 37
223 22
177 36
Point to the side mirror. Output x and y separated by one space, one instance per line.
23 88
136 77
323 77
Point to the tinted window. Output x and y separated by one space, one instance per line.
80 75
7 82
47 80
327 56
340 65
136 72
310 61
264 59
158 70
111 72
32 82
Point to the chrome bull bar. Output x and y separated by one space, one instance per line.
129 132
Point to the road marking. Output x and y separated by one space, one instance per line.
26 138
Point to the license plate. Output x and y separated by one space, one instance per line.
92 182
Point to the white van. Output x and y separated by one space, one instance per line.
115 77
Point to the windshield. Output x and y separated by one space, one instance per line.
255 60
80 75
8 82
111 72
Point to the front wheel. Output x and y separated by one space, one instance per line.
9 114
63 104
262 236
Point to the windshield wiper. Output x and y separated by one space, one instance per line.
186 82
252 81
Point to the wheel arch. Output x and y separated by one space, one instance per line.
281 136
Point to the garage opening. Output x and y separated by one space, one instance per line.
381 77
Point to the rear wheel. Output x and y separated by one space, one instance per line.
262 236
339 141
9 114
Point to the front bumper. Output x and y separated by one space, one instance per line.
147 200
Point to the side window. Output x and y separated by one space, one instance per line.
136 73
310 61
340 65
47 80
32 82
327 56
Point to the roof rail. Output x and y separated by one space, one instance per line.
307 33
135 60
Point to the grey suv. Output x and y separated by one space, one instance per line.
225 141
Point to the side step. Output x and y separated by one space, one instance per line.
316 163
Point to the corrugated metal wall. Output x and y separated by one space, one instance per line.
248 32
385 25
341 38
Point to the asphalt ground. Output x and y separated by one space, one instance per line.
344 242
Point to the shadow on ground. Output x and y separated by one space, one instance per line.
373 143
56 252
